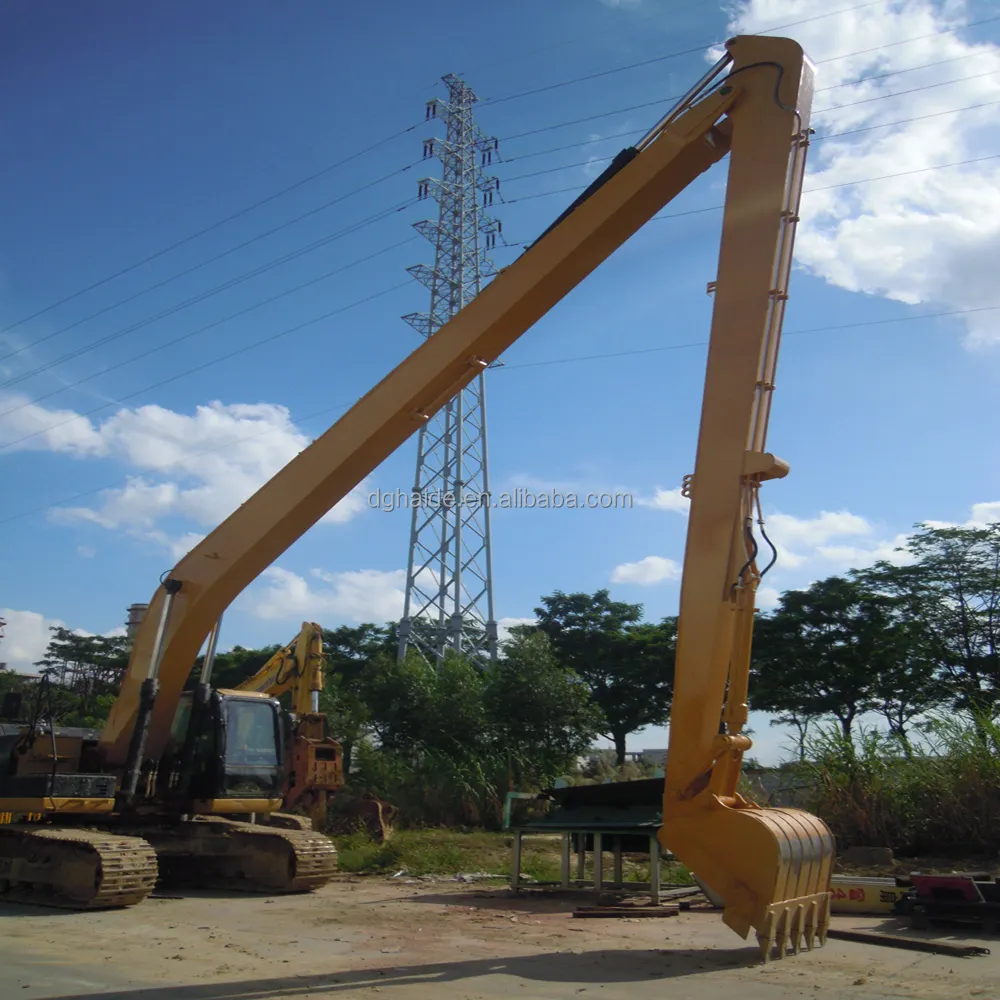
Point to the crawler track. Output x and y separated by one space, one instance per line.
223 854
73 868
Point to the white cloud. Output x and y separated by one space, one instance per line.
982 514
627 4
985 513
86 551
646 572
177 545
927 238
666 500
357 596
844 557
830 542
504 625
837 542
63 431
595 164
767 597
799 538
198 467
26 638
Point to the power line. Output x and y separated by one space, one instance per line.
658 59
672 215
529 364
636 18
213 226
211 260
818 138
382 215
213 361
584 163
905 173
325 170
905 121
203 329
716 208
313 212
898 72
839 107
209 293
786 333
664 100
902 93
907 41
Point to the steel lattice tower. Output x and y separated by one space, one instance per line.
449 579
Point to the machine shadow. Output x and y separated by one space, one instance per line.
536 901
600 967
40 909
504 899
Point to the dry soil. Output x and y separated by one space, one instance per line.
407 939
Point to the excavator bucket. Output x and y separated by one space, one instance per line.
770 868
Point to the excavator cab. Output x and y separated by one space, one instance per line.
226 749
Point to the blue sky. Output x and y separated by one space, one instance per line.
132 128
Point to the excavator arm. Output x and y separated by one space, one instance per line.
297 667
754 104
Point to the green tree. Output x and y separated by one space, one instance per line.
539 709
909 682
232 668
350 652
85 672
450 739
398 696
628 665
951 593
821 652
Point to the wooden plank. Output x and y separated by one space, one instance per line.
911 944
626 911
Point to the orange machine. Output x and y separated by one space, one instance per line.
315 760
769 867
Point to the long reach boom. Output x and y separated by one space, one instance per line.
771 867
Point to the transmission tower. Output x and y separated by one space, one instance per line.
449 578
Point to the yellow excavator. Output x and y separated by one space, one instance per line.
315 760
89 834
770 867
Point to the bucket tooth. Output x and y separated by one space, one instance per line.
765 938
781 932
823 919
796 927
786 924
811 924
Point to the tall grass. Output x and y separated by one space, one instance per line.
940 797
438 790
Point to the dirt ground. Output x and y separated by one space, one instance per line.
410 939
